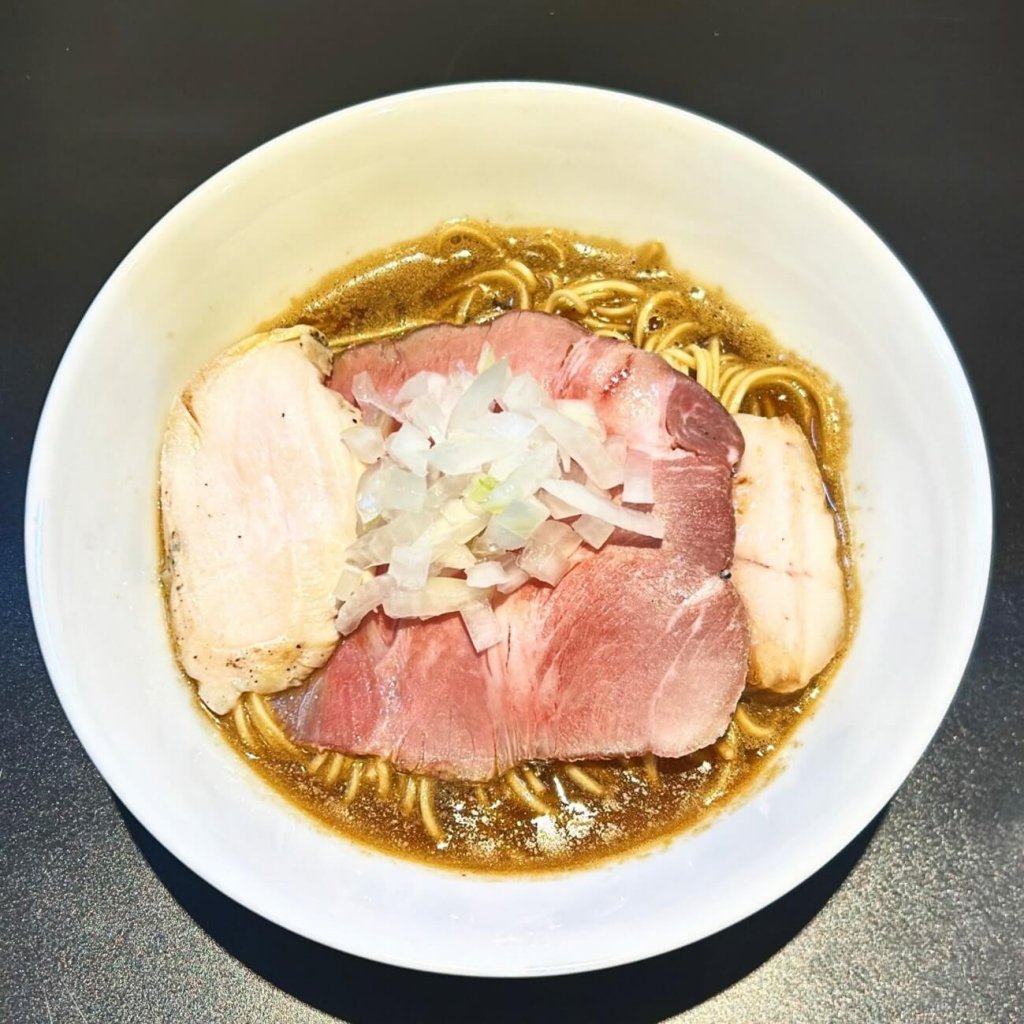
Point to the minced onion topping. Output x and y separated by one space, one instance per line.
478 483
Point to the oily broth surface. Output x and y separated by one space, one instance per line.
487 828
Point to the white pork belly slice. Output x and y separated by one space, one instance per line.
641 647
786 565
257 504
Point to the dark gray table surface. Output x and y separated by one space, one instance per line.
911 110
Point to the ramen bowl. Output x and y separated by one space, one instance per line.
731 212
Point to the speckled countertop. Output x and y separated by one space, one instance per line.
909 109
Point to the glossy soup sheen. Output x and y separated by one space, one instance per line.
487 828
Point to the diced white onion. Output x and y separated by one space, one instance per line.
559 509
365 443
424 383
643 523
525 480
546 554
469 479
367 396
638 482
583 413
520 518
375 546
617 452
512 426
511 527
444 488
427 415
509 461
482 625
478 398
402 490
544 564
594 532
349 580
559 536
465 456
409 566
498 538
487 574
516 578
452 528
439 596
594 457
452 556
368 504
409 446
524 394
368 597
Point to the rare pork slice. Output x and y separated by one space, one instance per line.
641 647
533 343
637 394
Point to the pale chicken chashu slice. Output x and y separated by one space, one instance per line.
257 505
786 564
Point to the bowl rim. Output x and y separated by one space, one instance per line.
859 812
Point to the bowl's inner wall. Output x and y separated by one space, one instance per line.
262 231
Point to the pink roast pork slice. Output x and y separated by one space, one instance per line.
641 647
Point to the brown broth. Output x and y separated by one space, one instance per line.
487 828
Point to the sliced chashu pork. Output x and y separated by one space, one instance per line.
638 395
641 647
786 564
256 495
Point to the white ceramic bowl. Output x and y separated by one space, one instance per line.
258 232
